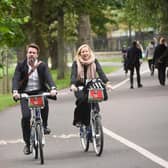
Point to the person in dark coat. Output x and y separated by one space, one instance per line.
85 66
160 60
32 83
124 58
134 57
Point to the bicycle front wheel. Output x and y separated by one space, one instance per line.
33 142
98 139
84 138
40 145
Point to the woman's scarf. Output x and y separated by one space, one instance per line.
91 68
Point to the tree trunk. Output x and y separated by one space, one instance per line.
60 42
39 27
130 35
53 51
84 30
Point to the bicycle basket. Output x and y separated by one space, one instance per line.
95 95
96 90
36 101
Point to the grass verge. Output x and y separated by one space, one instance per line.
6 101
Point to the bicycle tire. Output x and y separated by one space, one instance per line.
98 139
36 151
40 145
34 145
84 138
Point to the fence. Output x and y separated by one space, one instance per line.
116 43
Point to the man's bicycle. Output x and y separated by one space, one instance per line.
94 132
37 138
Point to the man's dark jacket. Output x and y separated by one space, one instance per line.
159 54
21 72
134 54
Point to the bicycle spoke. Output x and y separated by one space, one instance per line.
84 138
98 139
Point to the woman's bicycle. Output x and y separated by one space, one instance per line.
94 132
37 138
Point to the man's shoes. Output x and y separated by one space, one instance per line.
131 87
140 85
152 73
47 131
162 84
27 150
78 124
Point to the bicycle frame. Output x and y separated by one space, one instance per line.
93 133
36 120
37 138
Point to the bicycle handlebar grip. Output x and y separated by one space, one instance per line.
52 97
15 99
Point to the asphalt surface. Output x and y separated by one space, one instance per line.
135 126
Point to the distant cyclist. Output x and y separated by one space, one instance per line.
32 76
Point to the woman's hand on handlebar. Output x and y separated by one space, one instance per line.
109 86
53 92
73 88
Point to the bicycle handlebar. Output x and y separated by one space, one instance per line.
45 94
96 83
25 95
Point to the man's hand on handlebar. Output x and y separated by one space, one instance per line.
16 95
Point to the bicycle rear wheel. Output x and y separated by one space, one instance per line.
40 145
98 139
84 138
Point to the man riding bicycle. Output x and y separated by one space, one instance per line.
32 77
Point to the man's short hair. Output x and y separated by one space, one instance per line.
33 45
134 43
162 40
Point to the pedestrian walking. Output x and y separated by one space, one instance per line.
134 60
139 45
124 58
159 60
149 56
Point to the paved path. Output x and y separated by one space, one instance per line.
135 126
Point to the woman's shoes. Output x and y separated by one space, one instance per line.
140 85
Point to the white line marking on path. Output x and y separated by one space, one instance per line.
5 142
137 148
121 83
63 136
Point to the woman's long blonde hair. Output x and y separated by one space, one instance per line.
78 53
91 70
